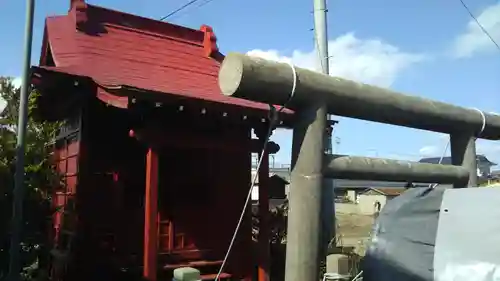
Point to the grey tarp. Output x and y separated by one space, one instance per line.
402 244
437 235
468 236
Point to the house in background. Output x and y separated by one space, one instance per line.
483 164
347 191
279 181
277 192
372 200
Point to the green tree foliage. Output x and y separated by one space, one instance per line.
39 177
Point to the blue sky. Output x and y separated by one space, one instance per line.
426 47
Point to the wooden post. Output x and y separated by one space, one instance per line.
261 80
264 249
313 95
151 217
463 153
304 214
365 168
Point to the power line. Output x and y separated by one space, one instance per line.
179 9
185 6
204 3
480 25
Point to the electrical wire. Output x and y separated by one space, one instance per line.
273 121
433 185
483 126
178 15
479 24
204 3
249 195
186 5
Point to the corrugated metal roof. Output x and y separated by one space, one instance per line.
115 48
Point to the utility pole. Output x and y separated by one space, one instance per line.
321 46
328 196
17 209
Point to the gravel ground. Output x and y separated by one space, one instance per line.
354 230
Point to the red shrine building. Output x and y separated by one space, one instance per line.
155 162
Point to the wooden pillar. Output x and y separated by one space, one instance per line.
264 229
305 197
151 217
264 251
463 153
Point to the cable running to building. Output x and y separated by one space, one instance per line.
179 9
479 24
185 6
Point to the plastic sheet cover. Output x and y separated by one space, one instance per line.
468 236
437 235
403 238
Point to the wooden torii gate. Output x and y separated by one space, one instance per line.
312 95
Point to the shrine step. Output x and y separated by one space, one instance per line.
182 256
195 264
207 268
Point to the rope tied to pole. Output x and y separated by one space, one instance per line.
483 118
273 118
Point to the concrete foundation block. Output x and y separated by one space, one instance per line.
337 263
187 274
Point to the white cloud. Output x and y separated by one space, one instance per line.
431 151
490 149
437 148
370 61
473 40
17 82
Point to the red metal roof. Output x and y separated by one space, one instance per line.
115 48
